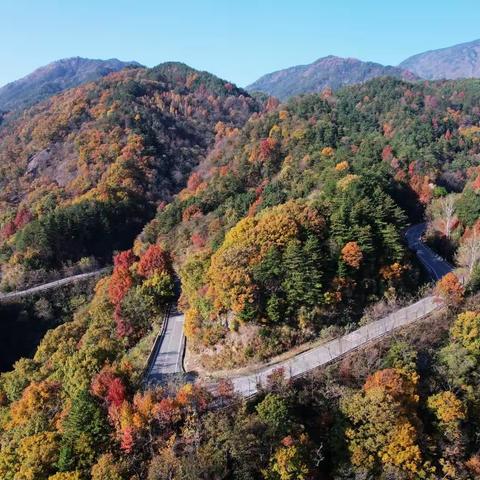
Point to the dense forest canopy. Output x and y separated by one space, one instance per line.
358 164
82 172
286 227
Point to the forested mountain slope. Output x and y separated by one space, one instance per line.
54 78
81 172
286 230
328 72
297 219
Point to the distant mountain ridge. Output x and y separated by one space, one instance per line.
331 71
56 77
451 63
458 61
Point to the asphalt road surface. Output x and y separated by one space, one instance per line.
249 385
168 351
51 285
436 266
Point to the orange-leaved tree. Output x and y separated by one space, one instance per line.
352 254
155 259
450 290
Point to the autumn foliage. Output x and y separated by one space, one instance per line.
247 245
121 280
352 254
291 224
148 279
103 144
383 424
447 407
450 289
153 260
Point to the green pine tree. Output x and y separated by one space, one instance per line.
85 429
295 284
313 268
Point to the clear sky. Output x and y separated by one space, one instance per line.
237 40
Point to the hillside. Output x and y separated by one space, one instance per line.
81 172
328 177
458 61
289 229
55 78
328 72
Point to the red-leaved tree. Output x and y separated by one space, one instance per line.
154 260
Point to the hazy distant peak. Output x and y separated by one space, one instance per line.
330 71
55 78
457 61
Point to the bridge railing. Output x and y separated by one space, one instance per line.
52 285
333 350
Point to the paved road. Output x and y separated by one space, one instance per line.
167 358
436 266
51 285
169 346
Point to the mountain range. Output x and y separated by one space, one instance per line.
458 61
55 78
333 72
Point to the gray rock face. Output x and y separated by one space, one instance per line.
40 161
56 163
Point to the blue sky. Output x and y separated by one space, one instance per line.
237 40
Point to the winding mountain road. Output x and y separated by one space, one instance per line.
169 348
436 266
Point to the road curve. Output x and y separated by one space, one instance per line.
435 265
168 351
51 285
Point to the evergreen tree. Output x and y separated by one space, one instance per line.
295 285
314 260
84 430
274 308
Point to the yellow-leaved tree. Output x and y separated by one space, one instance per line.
383 425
